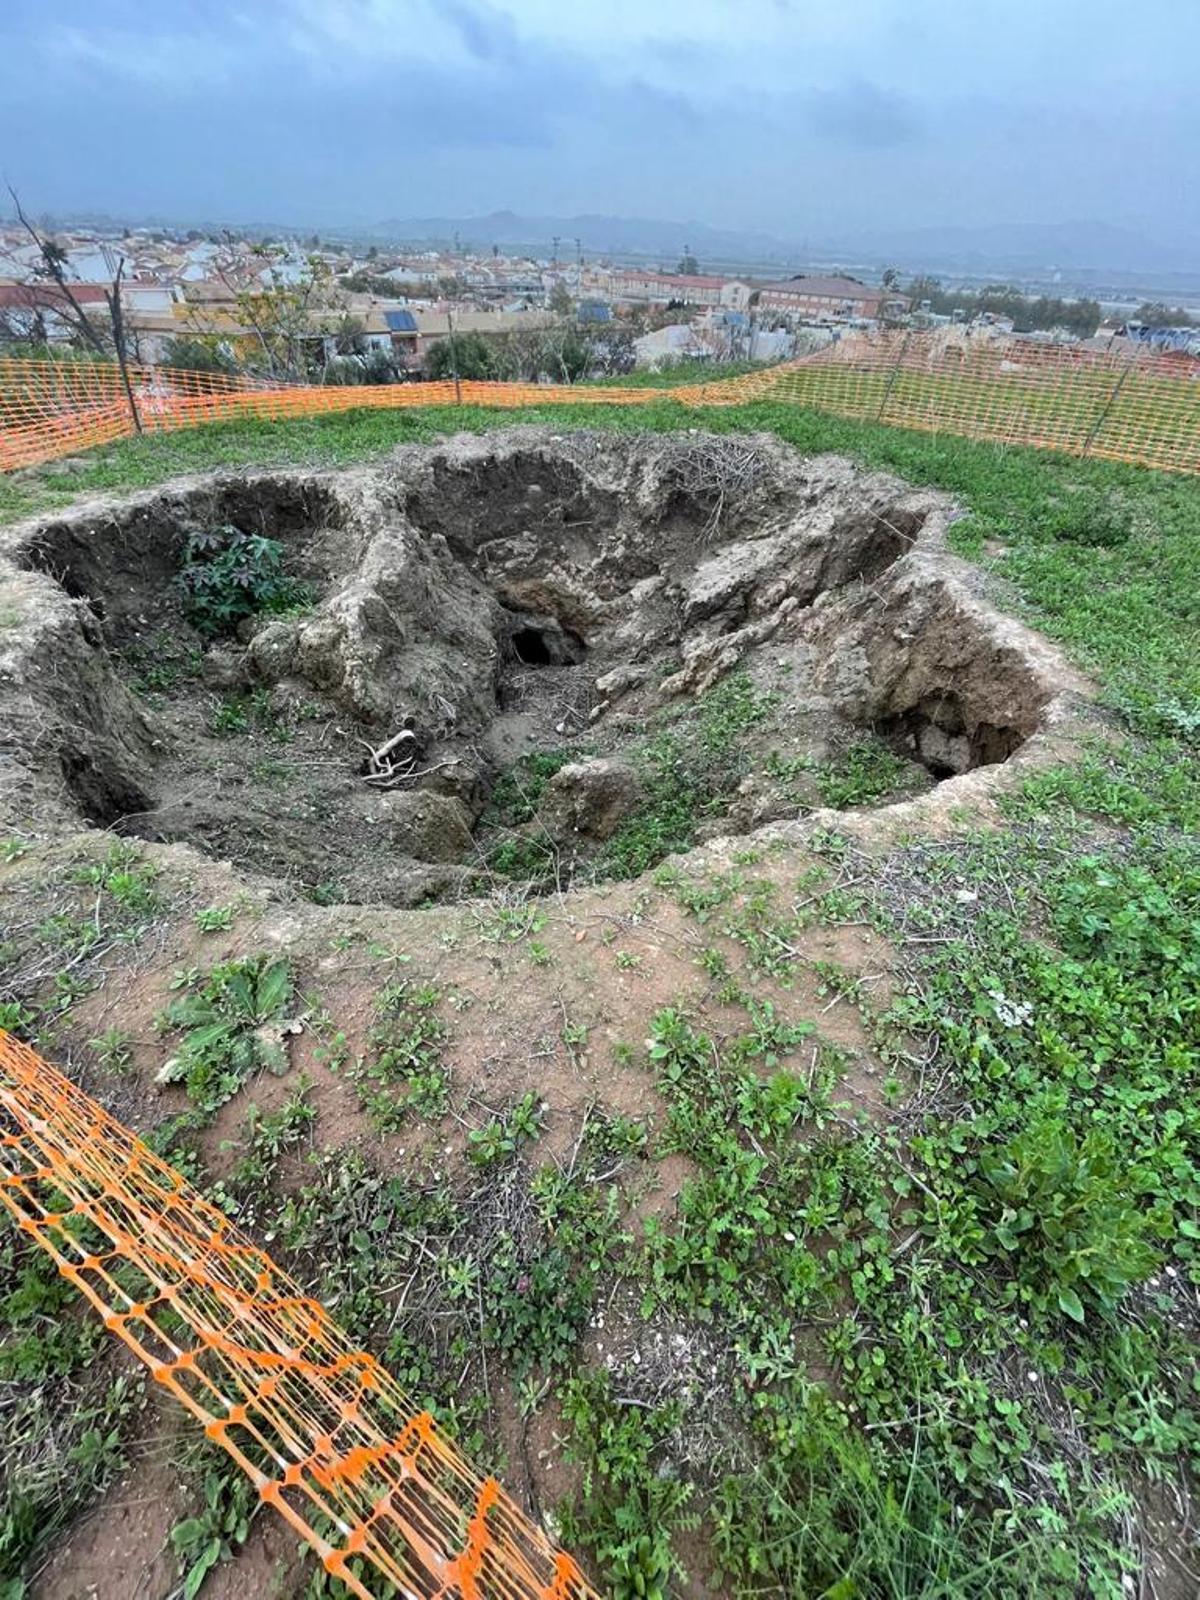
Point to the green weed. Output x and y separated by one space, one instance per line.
226 1028
500 1138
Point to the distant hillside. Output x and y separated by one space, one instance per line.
596 234
996 247
1021 246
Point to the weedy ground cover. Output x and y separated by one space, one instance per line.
947 1351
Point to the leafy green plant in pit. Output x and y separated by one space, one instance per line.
229 1027
528 858
162 664
518 791
228 575
666 823
229 717
217 1530
686 774
862 774
727 712
326 894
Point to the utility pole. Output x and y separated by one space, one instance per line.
578 266
554 258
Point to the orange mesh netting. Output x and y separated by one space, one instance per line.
1139 407
323 1431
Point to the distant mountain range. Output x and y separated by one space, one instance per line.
1080 255
1018 246
596 234
1024 245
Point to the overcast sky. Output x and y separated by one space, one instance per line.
803 117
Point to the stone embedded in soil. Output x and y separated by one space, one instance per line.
496 596
591 797
426 825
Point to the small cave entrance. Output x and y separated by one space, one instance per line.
946 741
543 673
532 648
544 642
104 799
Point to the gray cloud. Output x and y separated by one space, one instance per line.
863 115
488 34
770 115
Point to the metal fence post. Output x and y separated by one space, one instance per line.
1102 418
892 376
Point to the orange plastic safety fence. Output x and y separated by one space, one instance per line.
1142 408
323 1431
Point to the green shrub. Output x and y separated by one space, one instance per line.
198 353
1065 1219
228 575
470 353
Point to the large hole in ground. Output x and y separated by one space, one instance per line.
526 659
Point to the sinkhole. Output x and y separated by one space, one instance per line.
523 658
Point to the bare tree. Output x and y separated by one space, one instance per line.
116 315
51 269
283 314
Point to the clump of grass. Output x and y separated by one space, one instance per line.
862 775
687 773
1086 517
518 791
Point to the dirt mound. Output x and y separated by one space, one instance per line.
519 656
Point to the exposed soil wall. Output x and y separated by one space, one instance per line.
477 608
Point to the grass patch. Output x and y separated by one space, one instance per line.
688 773
951 1344
67 1413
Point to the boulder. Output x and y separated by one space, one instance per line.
591 797
223 669
427 826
